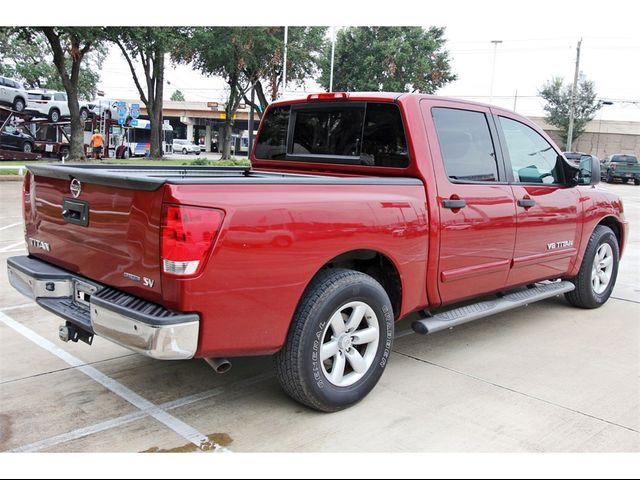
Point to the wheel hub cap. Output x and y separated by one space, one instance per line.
345 343
349 344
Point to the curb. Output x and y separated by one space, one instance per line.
11 178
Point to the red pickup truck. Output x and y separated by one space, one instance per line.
358 210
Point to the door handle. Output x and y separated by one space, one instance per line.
454 204
526 202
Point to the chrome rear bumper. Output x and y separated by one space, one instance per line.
132 322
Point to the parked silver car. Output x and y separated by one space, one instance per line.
185 147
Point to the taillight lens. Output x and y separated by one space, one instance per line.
188 234
328 96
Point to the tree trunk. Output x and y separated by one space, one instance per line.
76 152
226 139
70 82
157 118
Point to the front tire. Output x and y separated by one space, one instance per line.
339 341
598 272
184 151
27 147
636 182
84 115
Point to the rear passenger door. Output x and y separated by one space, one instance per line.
476 205
547 209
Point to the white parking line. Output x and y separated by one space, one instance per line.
181 428
17 307
132 417
10 226
13 245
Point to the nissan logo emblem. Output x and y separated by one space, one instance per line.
75 187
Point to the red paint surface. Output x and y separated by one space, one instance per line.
275 238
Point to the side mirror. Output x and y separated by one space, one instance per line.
589 171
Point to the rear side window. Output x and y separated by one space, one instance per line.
466 145
349 133
272 142
59 97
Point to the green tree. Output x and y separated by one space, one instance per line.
251 56
305 47
149 46
177 96
69 45
558 97
25 55
224 52
401 59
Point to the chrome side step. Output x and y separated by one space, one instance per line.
469 313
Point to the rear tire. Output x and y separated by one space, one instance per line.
636 182
64 153
54 115
346 317
598 272
84 115
19 105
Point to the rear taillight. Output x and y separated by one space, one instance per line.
188 233
26 198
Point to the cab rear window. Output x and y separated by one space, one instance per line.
355 133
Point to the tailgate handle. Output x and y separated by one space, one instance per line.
75 211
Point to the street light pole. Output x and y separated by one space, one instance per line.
284 66
333 51
493 69
572 105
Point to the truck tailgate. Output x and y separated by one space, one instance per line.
107 233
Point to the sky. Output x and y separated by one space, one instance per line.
539 40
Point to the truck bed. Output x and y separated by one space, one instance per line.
152 177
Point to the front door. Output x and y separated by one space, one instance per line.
547 210
476 204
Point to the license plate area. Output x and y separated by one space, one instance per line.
82 293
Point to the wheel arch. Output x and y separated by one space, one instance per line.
375 264
614 224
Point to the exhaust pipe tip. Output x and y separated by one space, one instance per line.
219 365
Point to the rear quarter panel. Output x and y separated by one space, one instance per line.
275 238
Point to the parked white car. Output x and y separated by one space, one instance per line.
53 105
13 93
185 147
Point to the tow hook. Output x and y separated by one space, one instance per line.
69 332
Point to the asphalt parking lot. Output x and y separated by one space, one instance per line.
543 378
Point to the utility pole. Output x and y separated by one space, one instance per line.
253 99
572 104
493 69
515 101
284 67
333 52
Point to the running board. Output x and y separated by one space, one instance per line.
469 313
